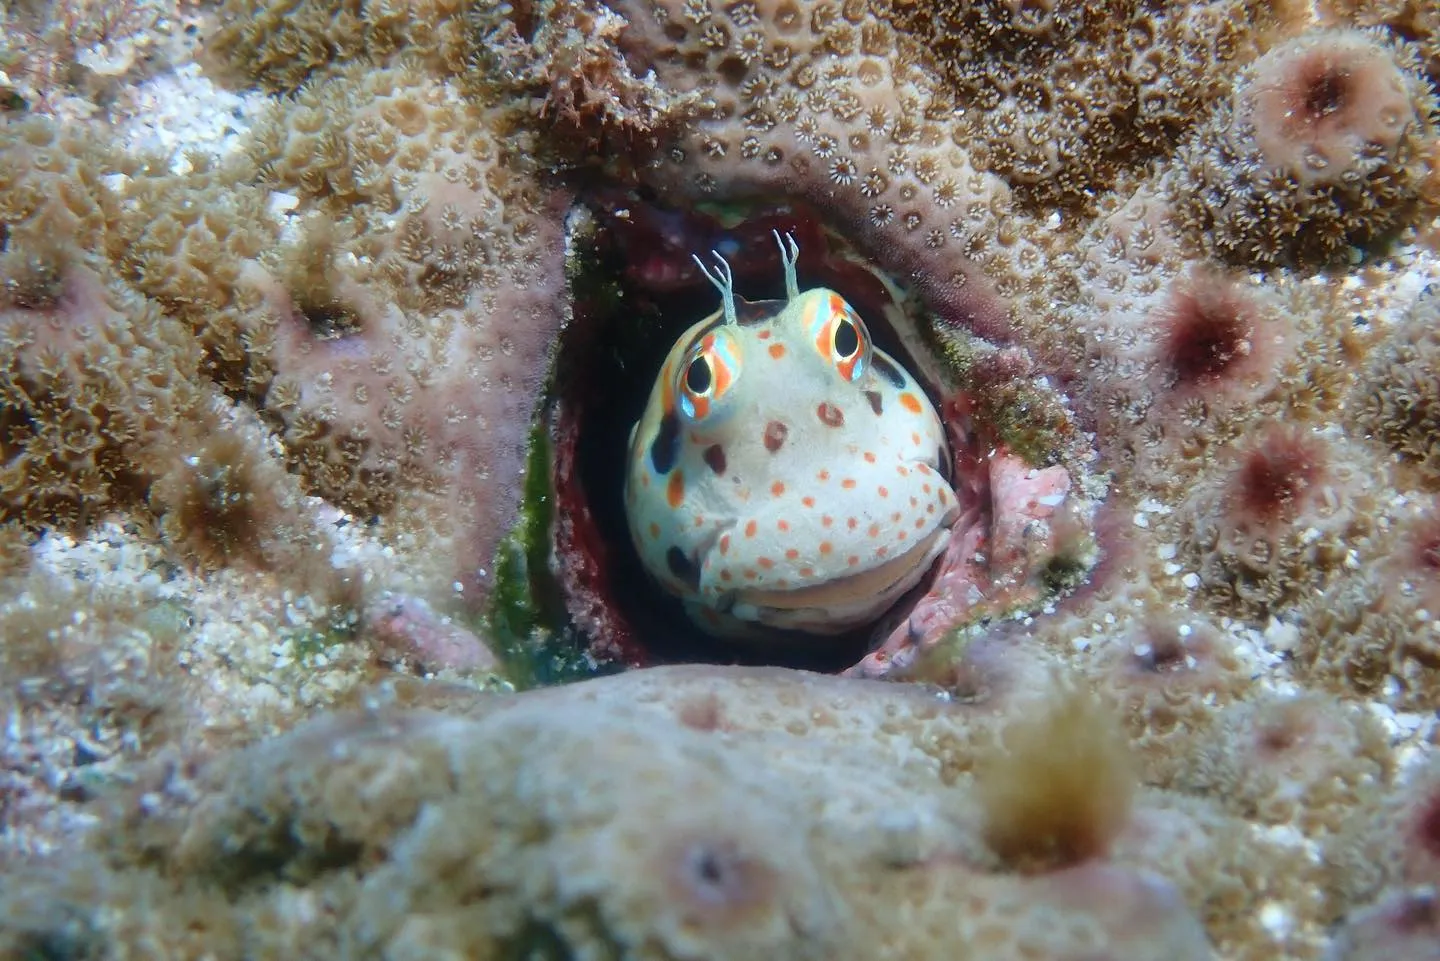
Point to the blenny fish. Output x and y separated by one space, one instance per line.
786 473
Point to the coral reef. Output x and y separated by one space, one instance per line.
821 818
1317 152
311 418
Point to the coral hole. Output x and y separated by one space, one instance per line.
636 297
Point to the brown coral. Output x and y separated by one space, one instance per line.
511 823
1061 98
1398 398
1318 152
1278 517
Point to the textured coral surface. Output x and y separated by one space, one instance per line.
324 323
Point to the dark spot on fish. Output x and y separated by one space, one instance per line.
683 568
830 415
775 434
942 461
665 448
877 404
889 371
715 457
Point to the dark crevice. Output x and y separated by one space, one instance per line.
605 371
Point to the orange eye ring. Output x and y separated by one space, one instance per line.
847 342
708 375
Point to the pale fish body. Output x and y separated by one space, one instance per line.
786 473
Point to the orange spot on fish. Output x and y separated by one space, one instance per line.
826 547
791 554
874 530
750 527
901 536
654 529
869 457
765 562
808 501
884 491
750 574
881 551
675 490
807 572
915 439
852 523
782 525
826 520
824 475
853 560
848 483
763 335
919 523
777 488
910 402
725 574
777 351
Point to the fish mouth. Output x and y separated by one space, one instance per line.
840 604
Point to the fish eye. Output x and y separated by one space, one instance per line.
847 339
707 377
697 376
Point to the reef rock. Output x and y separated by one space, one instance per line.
671 813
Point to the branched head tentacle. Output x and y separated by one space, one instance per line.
789 256
724 282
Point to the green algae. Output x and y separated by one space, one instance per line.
527 620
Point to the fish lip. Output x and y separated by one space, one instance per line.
925 551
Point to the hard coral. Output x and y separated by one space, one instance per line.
1390 842
1290 760
575 74
1415 20
1278 518
1404 926
281 45
1062 99
1317 153
814 826
1377 634
1398 398
819 101
1217 343
406 361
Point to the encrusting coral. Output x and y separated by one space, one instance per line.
502 825
1317 152
287 420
